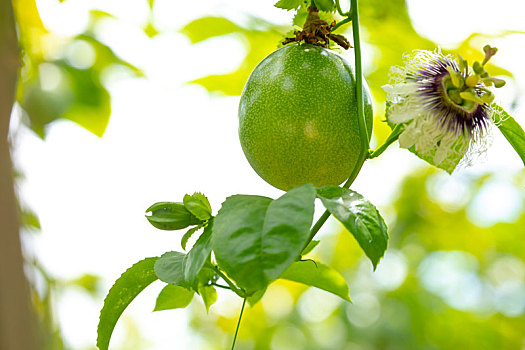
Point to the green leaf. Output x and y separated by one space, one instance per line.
317 275
198 205
325 5
97 15
360 217
90 283
79 97
208 27
209 296
256 238
289 4
311 246
300 17
92 106
236 233
170 216
173 297
204 277
125 289
150 29
29 220
198 255
255 297
170 269
79 94
187 236
105 56
512 131
259 38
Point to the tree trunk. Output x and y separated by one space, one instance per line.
17 327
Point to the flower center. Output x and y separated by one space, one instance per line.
454 96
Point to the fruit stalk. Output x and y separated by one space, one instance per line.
394 135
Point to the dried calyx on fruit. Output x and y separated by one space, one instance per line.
318 32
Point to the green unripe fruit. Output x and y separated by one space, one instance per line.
298 120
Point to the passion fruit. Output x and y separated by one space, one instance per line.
298 119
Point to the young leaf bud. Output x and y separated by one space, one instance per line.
171 216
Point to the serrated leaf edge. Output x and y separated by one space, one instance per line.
106 346
188 234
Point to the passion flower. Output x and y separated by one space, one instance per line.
444 105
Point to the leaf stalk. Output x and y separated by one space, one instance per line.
340 23
394 135
232 286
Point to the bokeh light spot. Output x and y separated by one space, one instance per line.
316 305
364 311
392 270
80 54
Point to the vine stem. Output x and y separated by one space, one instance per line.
359 78
238 323
361 121
339 10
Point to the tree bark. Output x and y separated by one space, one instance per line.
17 326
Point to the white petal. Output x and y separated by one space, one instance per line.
451 146
408 137
388 88
401 89
425 143
441 153
403 112
430 134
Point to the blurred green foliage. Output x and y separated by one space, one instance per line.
61 77
260 39
445 283
45 290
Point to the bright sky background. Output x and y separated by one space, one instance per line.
166 139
